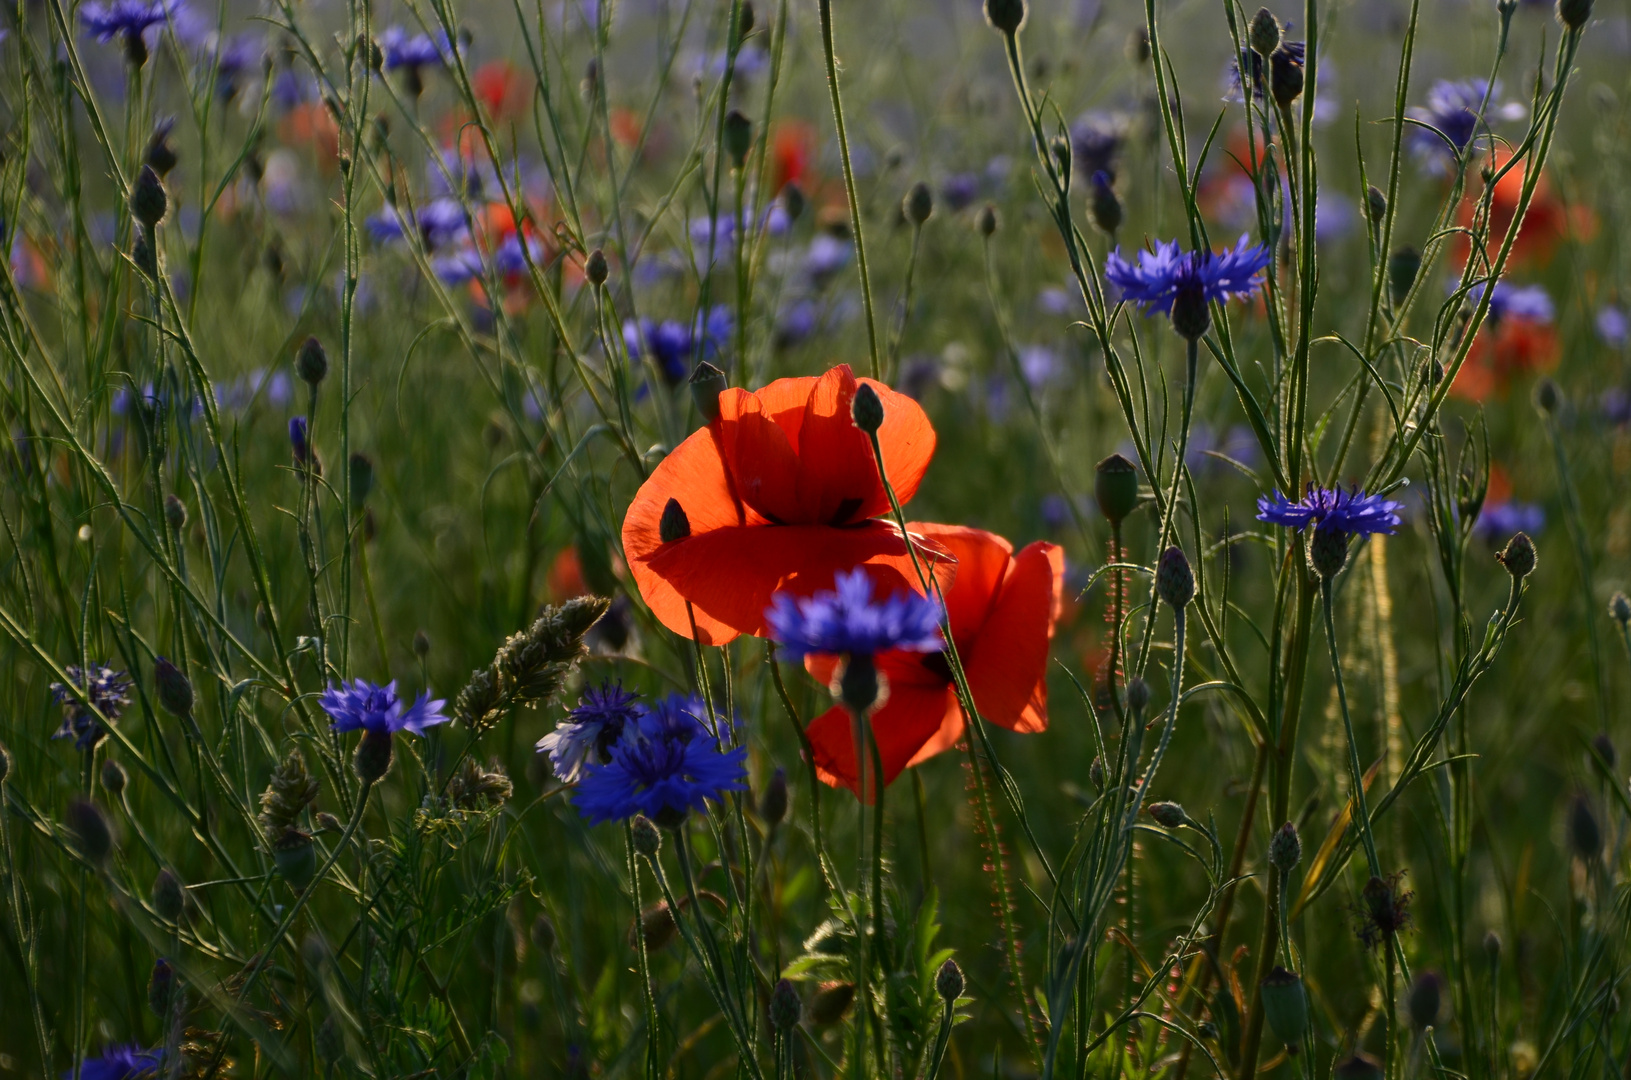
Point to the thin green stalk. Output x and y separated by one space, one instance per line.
1356 772
642 960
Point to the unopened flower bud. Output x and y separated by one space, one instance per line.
327 822
1285 1005
1518 556
744 24
673 525
1115 487
148 201
858 684
421 644
1548 398
1174 580
168 901
595 268
1619 608
793 201
1360 1066
1375 204
1191 315
948 981
173 688
1402 267
773 803
785 1006
1492 945
738 137
987 221
1095 773
866 408
90 830
311 362
648 840
161 989
114 777
707 382
1285 77
1424 999
1264 33
918 204
175 512
1574 13
1168 815
1138 695
1585 835
1285 848
1006 15
360 474
1103 205
373 757
1603 746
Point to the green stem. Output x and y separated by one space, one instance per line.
1356 773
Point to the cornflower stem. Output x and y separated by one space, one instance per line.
863 944
972 725
1391 1007
1170 511
899 333
941 1039
643 961
1356 773
825 7
829 872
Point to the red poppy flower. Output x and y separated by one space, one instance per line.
778 494
1002 608
1521 346
502 88
1548 220
792 149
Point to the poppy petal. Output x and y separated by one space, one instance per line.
1007 664
983 559
729 575
913 715
762 459
838 478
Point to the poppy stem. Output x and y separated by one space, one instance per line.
829 872
644 963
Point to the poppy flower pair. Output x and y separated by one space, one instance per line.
780 493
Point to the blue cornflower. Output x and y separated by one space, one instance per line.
848 621
364 706
300 439
438 222
1529 302
959 190
1190 279
126 18
666 764
1497 521
1452 108
1612 326
403 50
585 738
671 346
121 1063
826 256
107 689
233 59
1095 139
1258 73
1331 510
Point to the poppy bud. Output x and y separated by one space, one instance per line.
148 201
785 1006
168 901
773 803
1423 999
647 839
295 857
175 512
174 690
793 201
1359 1067
948 981
1138 695
1585 835
90 830
1285 1005
1619 607
738 137
987 221
858 685
1328 552
1574 13
421 644
1518 556
113 777
673 525
373 757
161 988
1285 848
1548 398
1103 205
543 935
866 409
1174 580
311 362
1168 815
1006 15
1402 267
918 204
1264 33
1115 486
707 383
831 1001
1604 747
327 822
1190 315
1375 204
595 268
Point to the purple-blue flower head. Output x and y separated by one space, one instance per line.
666 764
1613 328
1529 302
128 1062
300 439
108 690
1497 521
404 50
1331 509
586 737
1164 275
1452 107
849 622
1095 139
364 706
126 18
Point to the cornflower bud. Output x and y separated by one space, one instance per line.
1604 747
1174 580
113 777
1285 848
1619 608
1115 487
1006 15
1375 205
1402 267
1264 33
1328 552
948 981
1138 695
707 382
1191 317
1424 998
90 830
673 525
785 1006
148 201
793 201
167 897
327 822
986 223
1585 835
1518 556
738 137
161 989
866 409
1574 13
595 268
174 689
311 362
1358 1067
647 839
1492 945
175 512
1285 77
1103 205
744 25
773 803
918 204
1548 398
858 685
